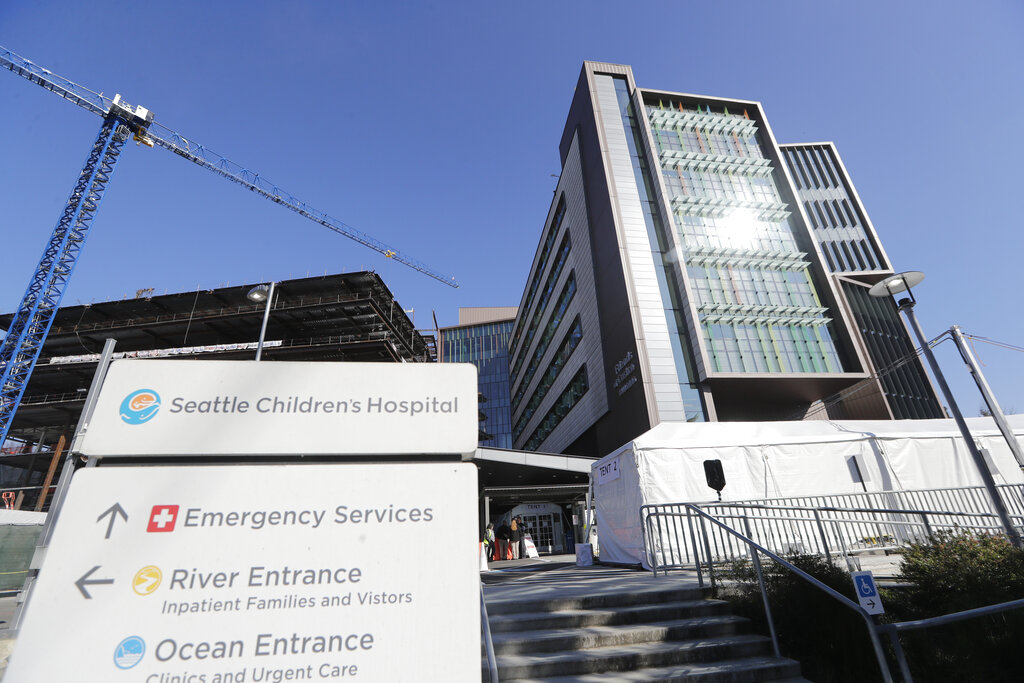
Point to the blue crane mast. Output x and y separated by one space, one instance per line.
23 342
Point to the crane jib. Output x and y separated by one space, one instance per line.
24 340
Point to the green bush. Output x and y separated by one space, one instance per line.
830 640
958 571
955 571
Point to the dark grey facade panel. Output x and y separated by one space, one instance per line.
900 372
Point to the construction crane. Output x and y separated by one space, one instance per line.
24 340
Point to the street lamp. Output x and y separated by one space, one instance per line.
261 293
903 282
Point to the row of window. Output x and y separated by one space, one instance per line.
706 142
572 394
471 344
729 232
719 185
718 112
549 331
849 255
812 167
549 288
752 286
838 211
565 349
545 253
771 347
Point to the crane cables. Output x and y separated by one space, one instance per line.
203 156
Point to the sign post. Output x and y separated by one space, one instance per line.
867 592
230 573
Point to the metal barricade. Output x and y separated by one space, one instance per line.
841 525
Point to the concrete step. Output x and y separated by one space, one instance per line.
587 637
594 601
633 614
632 657
746 670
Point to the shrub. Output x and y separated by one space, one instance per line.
829 640
958 571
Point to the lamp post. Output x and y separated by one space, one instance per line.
903 282
258 294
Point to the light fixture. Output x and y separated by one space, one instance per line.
259 294
894 284
903 282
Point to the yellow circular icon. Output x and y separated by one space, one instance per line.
147 580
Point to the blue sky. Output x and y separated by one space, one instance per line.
434 127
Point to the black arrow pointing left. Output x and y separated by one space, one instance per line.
86 581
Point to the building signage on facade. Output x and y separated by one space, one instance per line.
625 373
180 407
259 573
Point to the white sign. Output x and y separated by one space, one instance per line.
867 592
259 573
608 472
181 407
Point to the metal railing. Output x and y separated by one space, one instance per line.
492 662
822 525
754 549
893 630
719 530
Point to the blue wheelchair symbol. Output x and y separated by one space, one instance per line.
866 587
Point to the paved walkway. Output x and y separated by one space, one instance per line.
558 576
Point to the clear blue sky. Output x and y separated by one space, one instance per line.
434 127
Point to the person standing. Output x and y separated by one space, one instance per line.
516 537
489 540
503 533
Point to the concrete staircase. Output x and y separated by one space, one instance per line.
671 632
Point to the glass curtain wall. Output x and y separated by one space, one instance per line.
664 256
486 347
757 306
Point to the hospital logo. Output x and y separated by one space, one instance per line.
129 652
140 406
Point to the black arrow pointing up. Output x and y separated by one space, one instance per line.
114 510
83 582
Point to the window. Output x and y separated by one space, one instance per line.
549 242
569 343
572 394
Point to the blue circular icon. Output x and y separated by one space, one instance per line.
140 406
129 652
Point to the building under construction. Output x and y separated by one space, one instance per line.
343 317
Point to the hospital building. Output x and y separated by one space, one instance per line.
692 268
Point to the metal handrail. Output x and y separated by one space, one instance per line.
492 663
893 630
756 548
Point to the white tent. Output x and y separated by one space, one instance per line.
765 460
